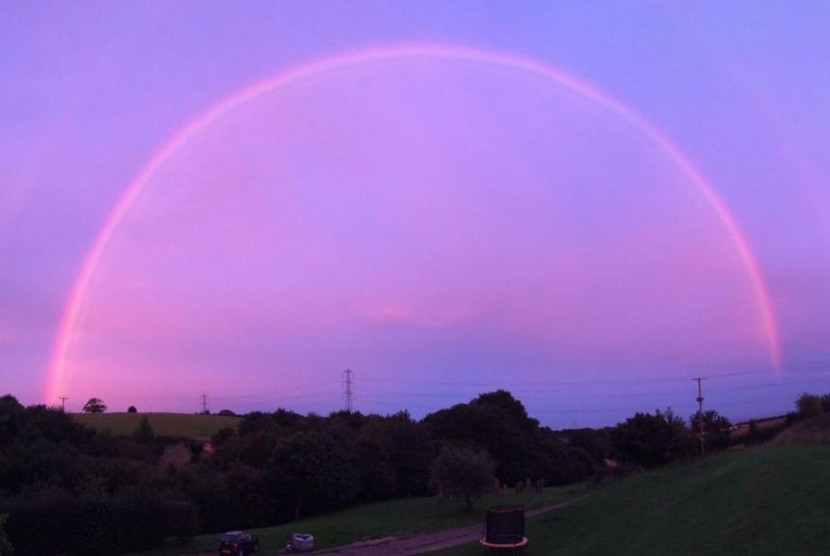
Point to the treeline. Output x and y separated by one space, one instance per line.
67 489
105 494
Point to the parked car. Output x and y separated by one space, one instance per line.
238 543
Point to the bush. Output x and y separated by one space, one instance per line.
6 548
649 440
716 429
462 473
96 525
808 405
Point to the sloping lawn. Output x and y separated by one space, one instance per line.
763 501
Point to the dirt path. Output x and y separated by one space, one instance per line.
427 542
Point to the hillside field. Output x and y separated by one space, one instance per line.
196 426
762 501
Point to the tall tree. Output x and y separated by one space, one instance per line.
312 470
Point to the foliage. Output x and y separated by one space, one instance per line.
144 432
312 471
264 468
94 405
716 429
808 405
12 418
595 442
499 424
175 456
6 548
96 525
649 440
132 409
462 473
409 448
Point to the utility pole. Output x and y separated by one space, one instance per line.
700 412
347 389
204 399
63 402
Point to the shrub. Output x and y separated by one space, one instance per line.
462 473
96 525
6 548
648 440
808 405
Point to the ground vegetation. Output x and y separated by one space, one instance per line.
267 468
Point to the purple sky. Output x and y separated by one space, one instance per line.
585 204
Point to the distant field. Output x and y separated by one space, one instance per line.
760 501
199 427
742 429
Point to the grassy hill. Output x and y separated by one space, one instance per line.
199 427
767 500
816 429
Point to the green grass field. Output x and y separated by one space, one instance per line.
199 427
764 501
383 519
761 501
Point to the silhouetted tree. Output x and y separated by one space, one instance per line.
132 409
499 424
12 418
94 405
808 405
374 467
410 450
647 439
312 471
596 442
716 428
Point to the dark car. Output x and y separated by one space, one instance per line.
238 543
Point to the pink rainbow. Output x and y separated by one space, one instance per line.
73 310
